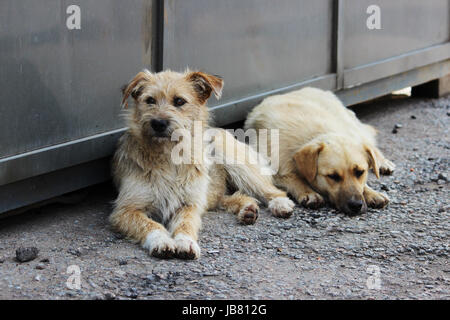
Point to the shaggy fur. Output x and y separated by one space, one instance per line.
325 151
160 203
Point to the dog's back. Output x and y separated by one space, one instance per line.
306 113
300 105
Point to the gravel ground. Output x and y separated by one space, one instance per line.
401 252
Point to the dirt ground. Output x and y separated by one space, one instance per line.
401 252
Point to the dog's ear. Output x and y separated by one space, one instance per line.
133 88
306 160
372 160
205 84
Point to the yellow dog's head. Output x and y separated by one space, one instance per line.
337 167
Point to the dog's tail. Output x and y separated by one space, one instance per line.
247 171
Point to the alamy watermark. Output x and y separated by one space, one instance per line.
74 280
73 21
217 146
374 20
373 282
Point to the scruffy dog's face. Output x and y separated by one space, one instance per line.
337 168
168 101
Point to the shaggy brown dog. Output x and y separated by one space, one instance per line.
161 200
324 150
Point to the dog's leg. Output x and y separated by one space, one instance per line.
184 227
248 179
301 191
134 223
245 207
385 166
245 173
375 199
279 203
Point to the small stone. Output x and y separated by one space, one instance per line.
119 236
394 131
398 126
45 260
76 252
40 266
132 295
442 176
413 117
123 262
26 254
2 260
110 296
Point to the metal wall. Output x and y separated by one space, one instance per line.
254 45
262 47
59 88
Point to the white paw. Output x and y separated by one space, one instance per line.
160 244
281 207
186 247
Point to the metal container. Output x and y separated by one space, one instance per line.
59 85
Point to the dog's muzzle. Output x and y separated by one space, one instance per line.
159 125
354 207
159 128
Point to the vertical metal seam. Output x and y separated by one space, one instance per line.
339 38
158 35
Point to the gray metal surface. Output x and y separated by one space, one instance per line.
39 188
59 88
406 26
59 85
255 45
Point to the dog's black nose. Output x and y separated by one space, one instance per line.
355 205
159 125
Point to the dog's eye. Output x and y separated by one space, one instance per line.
359 173
178 102
334 177
150 100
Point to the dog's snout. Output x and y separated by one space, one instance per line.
159 125
355 205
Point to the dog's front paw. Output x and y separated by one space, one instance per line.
311 200
376 200
281 207
249 214
160 244
186 247
387 167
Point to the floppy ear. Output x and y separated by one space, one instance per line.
133 88
306 160
372 160
204 84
